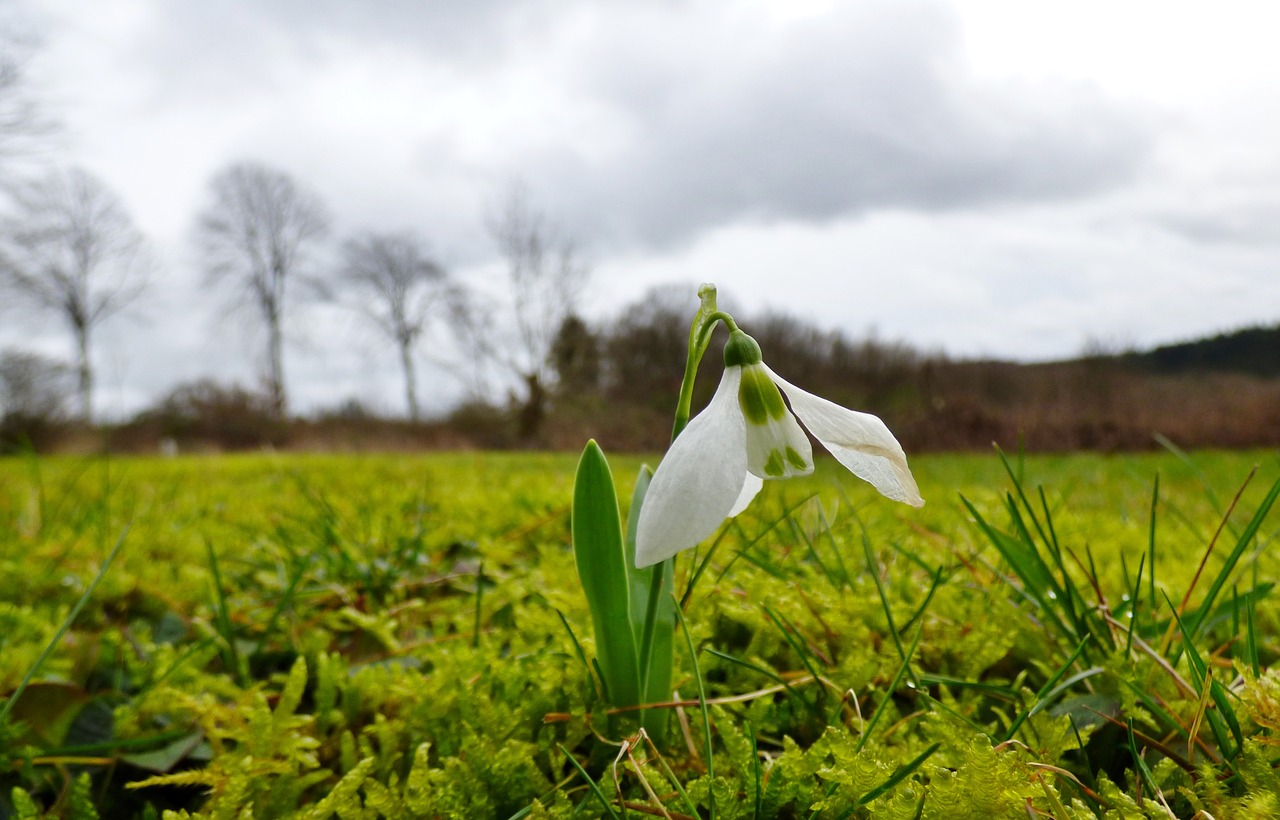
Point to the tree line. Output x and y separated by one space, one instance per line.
69 249
71 252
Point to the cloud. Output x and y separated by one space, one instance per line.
646 125
868 107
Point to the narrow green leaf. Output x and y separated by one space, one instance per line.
901 773
1048 691
1038 585
873 569
1151 546
1144 772
1222 719
903 669
591 784
62 630
1228 566
653 616
1133 607
702 705
602 568
1251 638
582 656
790 692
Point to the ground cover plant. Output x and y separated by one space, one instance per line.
365 636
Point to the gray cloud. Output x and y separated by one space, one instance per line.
709 114
869 108
1252 221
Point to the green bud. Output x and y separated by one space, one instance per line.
759 396
741 350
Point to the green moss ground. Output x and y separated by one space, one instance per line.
385 636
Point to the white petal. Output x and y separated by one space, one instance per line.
699 480
749 489
859 441
781 440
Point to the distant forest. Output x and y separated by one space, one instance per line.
1253 350
618 383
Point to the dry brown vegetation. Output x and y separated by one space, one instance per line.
619 386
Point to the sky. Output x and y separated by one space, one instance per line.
983 178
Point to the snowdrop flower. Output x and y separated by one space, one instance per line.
745 435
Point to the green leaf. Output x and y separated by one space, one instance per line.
165 758
602 568
1197 622
653 615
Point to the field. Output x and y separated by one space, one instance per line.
365 636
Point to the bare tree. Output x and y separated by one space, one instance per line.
254 234
545 276
400 289
33 387
25 126
70 247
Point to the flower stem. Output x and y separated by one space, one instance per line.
699 336
650 623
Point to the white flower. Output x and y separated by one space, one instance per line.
745 435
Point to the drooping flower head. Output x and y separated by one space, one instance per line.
747 434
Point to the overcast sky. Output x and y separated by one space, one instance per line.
981 177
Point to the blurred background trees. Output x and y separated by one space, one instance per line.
26 126
400 290
255 235
69 248
35 397
545 277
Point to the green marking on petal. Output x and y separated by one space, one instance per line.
773 467
796 459
759 397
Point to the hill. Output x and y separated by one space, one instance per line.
1253 350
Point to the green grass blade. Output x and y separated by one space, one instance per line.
757 776
1251 639
928 598
1037 583
1223 718
230 653
893 686
1144 772
1229 565
1191 465
702 705
1151 545
792 636
582 656
479 607
760 670
601 559
900 774
62 630
1050 685
591 784
1133 607
873 569
993 689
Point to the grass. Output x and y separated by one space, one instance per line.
365 636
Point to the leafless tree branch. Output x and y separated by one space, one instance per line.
254 235
399 289
545 276
69 247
